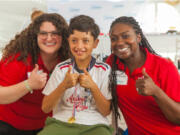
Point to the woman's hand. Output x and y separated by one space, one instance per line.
37 80
146 85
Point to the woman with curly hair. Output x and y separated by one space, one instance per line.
26 65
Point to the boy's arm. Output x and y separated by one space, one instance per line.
49 101
102 103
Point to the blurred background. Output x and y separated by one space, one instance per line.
159 19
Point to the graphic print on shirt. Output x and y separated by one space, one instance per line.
81 98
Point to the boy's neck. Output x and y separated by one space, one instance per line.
83 64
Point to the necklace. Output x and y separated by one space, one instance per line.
72 119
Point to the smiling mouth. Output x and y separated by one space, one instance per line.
122 50
50 44
79 52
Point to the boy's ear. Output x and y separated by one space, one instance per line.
96 43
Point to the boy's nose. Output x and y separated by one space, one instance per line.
80 44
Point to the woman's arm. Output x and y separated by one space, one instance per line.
10 94
169 107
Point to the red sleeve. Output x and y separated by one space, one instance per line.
109 60
12 72
171 81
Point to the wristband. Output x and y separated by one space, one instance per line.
28 87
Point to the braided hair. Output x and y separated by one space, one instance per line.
144 44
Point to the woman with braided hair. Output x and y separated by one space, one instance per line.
26 65
145 86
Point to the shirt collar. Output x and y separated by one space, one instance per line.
92 63
147 64
41 63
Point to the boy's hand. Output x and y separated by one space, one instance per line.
146 85
70 79
85 80
37 80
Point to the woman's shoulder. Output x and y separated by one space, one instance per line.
109 59
10 59
162 60
13 61
163 63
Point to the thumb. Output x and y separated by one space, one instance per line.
85 72
69 70
35 68
145 73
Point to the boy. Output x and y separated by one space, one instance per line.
77 91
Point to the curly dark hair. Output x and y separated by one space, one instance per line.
84 23
25 42
144 44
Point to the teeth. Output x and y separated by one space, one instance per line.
79 52
48 44
123 49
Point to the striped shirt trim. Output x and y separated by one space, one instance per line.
102 64
64 64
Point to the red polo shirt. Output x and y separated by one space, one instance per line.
26 113
142 114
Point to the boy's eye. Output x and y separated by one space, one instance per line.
85 41
74 40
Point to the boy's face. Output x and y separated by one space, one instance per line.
82 44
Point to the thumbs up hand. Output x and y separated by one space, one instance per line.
37 80
85 80
71 79
146 85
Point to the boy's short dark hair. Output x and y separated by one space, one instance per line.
84 23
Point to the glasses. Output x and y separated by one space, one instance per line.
44 35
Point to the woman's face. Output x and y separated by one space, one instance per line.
49 40
124 41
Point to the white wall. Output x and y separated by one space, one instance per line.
165 44
15 16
